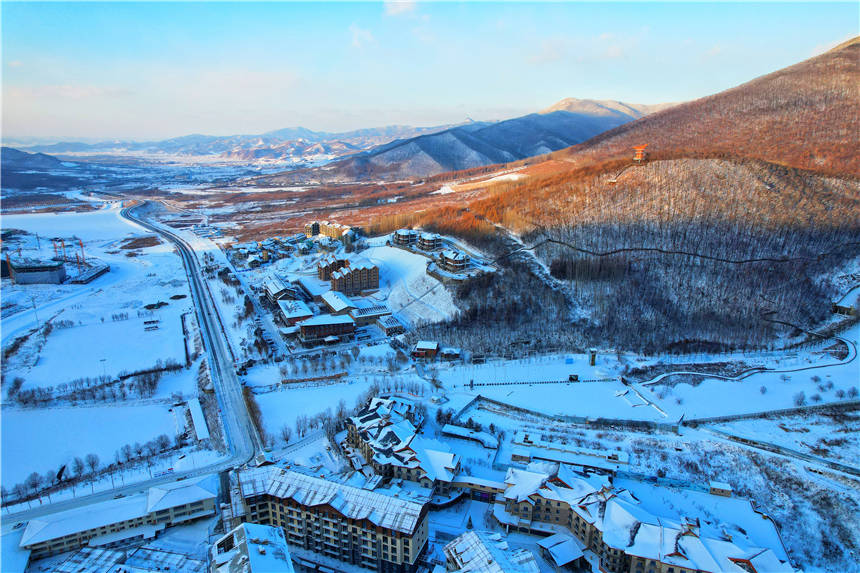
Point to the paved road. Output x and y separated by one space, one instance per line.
242 438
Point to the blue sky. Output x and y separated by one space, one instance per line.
153 70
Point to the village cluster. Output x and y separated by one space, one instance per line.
339 299
436 468
377 514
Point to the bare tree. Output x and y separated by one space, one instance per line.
286 433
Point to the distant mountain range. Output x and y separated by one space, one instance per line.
296 145
475 144
17 160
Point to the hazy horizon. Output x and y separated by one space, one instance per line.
131 71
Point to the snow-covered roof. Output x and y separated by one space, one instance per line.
378 508
274 285
454 255
314 286
337 301
426 345
200 427
323 319
406 232
181 493
255 549
375 310
719 485
389 321
12 556
652 532
562 547
294 308
523 483
71 521
54 525
486 552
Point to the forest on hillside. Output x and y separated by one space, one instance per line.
678 256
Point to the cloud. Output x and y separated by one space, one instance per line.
399 7
15 64
614 52
360 36
714 51
69 92
552 50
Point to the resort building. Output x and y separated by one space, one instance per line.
337 302
355 277
294 311
628 535
326 327
326 521
386 433
404 237
453 261
429 241
119 521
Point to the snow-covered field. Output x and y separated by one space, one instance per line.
830 381
98 329
282 407
44 439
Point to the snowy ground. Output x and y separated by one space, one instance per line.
94 342
828 382
39 440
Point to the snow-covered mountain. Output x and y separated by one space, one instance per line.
295 145
566 123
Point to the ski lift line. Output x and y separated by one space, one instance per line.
658 250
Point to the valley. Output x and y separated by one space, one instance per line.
503 337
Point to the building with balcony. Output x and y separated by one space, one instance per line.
429 241
404 237
654 530
386 433
324 520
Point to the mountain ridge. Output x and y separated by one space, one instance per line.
476 144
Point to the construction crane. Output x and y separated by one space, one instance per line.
81 243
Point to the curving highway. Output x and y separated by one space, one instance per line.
241 435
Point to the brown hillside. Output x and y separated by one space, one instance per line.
806 116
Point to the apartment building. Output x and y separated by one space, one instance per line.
613 523
385 432
119 521
404 237
325 520
329 265
453 261
355 277
429 241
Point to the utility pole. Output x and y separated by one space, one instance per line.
35 314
